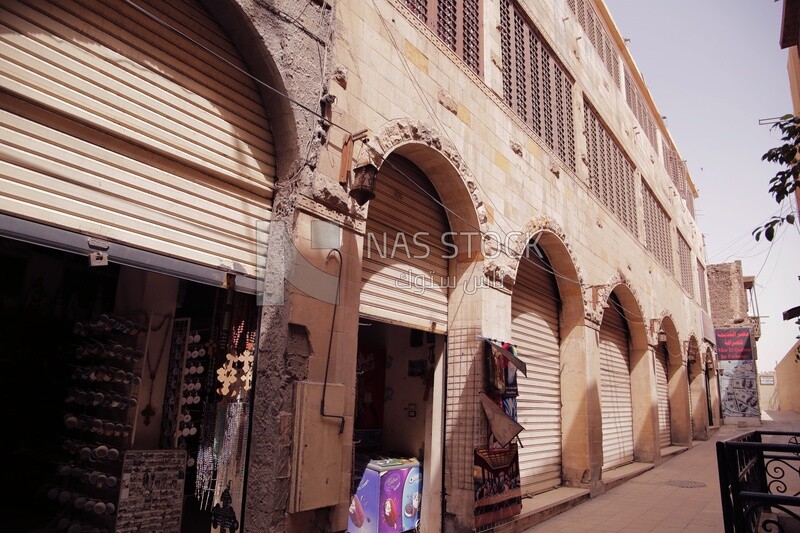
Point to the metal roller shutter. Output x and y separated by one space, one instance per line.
615 388
112 126
404 268
535 331
662 389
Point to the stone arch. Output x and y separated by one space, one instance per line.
640 365
631 306
442 166
549 235
572 348
439 160
678 387
697 389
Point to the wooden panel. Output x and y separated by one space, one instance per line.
615 389
113 126
535 331
662 391
403 281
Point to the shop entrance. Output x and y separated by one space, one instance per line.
397 429
112 383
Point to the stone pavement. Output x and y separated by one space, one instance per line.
681 494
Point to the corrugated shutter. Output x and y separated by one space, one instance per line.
615 389
115 127
662 389
404 268
535 331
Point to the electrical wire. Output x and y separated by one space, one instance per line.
236 67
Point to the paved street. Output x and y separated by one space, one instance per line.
682 494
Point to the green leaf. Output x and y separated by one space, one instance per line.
769 233
790 218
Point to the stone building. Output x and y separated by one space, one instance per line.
787 379
737 326
402 187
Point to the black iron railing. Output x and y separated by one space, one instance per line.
760 481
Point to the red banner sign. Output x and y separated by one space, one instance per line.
734 344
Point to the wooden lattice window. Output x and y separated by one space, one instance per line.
701 277
611 174
641 111
535 85
456 22
597 34
676 169
656 227
687 272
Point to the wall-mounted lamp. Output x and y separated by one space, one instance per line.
662 337
365 178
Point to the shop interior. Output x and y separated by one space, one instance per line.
128 392
394 391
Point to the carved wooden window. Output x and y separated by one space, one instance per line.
611 174
641 111
598 35
456 22
657 231
701 277
687 272
535 85
676 169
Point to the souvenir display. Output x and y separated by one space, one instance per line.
151 494
98 419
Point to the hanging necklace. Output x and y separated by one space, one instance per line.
149 411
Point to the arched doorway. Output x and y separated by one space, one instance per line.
662 394
405 289
535 330
615 386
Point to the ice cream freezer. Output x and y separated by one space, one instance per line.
388 496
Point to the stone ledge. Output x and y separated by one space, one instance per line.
618 476
546 505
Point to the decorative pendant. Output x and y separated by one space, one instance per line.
147 413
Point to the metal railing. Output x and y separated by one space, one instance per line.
760 481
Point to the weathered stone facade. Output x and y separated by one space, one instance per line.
387 72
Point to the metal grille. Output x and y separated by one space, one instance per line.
456 22
615 387
465 424
611 176
535 305
641 111
597 34
685 255
656 226
662 393
701 278
535 84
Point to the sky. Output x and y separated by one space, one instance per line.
715 68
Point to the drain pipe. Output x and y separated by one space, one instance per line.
330 341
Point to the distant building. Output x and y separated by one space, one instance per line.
737 327
787 379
